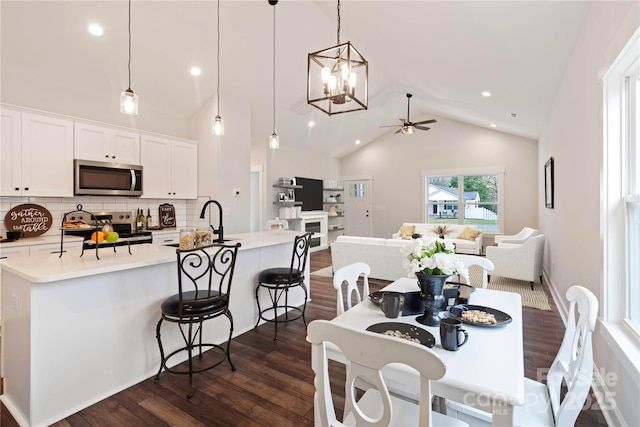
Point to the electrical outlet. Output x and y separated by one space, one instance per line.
15 302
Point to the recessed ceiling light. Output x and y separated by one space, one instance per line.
493 125
311 123
195 71
357 141
514 115
96 30
486 94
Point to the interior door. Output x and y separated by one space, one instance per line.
357 208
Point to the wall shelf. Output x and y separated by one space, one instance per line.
285 204
333 189
287 186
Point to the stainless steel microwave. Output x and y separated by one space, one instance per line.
106 179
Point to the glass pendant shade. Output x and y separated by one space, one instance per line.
337 79
218 126
274 141
408 129
129 102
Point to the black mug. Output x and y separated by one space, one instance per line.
14 235
391 305
450 330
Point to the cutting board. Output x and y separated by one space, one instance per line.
167 215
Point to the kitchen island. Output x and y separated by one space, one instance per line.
78 329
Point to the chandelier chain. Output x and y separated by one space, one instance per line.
129 63
338 22
218 61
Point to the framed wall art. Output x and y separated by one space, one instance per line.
548 183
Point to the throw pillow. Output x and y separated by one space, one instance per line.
406 231
469 233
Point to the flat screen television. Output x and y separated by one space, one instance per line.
310 194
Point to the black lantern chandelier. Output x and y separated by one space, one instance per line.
337 78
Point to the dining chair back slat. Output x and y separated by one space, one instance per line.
350 274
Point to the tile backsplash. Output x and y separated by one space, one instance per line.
187 211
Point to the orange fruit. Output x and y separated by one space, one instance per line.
100 236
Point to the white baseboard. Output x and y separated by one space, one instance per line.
603 395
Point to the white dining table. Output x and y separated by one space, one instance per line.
487 372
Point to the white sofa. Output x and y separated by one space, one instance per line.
384 256
463 246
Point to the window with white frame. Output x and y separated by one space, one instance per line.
621 204
464 197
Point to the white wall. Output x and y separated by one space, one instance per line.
574 138
224 162
397 161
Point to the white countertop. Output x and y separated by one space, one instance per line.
45 268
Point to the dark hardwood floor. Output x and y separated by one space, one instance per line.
273 383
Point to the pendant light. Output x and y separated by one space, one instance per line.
218 123
274 140
337 78
128 99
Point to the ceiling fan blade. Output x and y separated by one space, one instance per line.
424 122
422 127
398 131
390 126
402 120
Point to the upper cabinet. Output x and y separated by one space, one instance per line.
170 168
106 145
36 155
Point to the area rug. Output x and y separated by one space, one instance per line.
323 272
535 298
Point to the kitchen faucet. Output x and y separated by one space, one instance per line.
220 229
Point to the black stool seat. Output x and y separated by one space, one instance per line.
279 276
279 280
202 302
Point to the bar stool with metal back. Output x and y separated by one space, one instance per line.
204 286
280 280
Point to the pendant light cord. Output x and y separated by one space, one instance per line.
129 63
274 68
218 60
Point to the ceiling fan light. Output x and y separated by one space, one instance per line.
408 130
129 102
218 126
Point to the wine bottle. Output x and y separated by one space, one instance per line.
140 221
149 220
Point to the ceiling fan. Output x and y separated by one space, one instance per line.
407 126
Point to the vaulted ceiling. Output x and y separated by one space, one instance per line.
443 52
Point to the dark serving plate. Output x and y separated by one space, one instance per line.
501 317
416 332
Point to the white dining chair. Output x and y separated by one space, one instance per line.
544 404
367 353
486 265
349 275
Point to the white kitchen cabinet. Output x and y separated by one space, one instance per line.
170 168
10 153
103 144
41 164
15 251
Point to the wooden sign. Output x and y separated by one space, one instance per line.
167 215
32 220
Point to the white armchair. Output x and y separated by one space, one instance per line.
518 261
519 238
